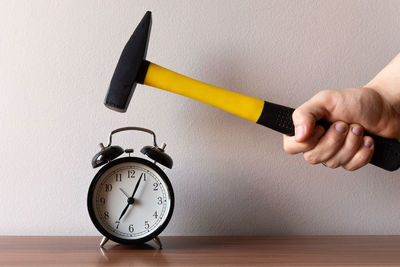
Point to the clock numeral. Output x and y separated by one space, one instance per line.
146 225
102 201
108 187
131 229
143 175
155 187
106 215
131 174
118 177
117 223
159 200
155 215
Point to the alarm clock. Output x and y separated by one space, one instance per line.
130 199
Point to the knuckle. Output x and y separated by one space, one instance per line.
333 140
297 114
310 158
349 168
324 93
310 146
332 164
327 97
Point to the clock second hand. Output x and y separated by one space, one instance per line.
131 200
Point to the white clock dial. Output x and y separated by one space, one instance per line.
126 215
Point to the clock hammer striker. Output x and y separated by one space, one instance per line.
133 68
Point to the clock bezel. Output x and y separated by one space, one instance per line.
96 222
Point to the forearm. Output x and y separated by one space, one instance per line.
387 83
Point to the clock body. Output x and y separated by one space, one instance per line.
130 200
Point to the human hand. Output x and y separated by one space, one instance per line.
375 108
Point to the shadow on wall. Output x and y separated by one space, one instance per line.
234 205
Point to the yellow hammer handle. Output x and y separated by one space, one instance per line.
243 106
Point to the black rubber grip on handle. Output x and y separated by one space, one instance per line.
279 118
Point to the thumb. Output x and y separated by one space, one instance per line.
305 116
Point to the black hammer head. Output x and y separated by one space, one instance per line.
127 73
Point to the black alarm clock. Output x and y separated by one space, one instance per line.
131 200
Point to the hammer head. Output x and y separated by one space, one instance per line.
128 70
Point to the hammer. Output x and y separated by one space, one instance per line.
133 68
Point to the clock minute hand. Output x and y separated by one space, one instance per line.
131 200
137 186
124 211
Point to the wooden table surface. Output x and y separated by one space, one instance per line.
204 251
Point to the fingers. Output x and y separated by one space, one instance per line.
350 147
363 155
329 144
342 145
291 146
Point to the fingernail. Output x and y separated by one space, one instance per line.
357 130
299 131
340 127
368 143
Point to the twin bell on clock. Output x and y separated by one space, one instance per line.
130 199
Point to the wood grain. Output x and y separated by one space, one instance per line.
204 251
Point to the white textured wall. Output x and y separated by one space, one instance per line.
230 175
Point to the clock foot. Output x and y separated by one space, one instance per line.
158 241
103 241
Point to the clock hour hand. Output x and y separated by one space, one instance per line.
124 192
131 200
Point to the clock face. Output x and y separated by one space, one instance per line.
130 200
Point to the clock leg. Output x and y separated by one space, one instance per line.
158 241
103 241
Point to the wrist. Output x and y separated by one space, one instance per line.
387 83
391 97
389 110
